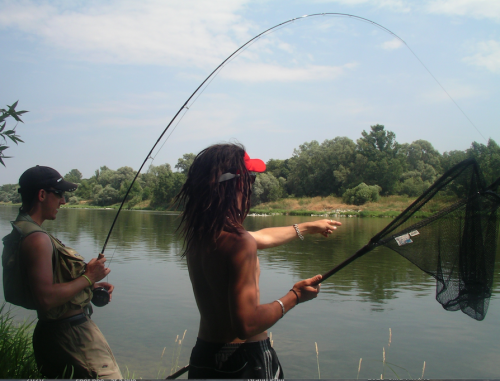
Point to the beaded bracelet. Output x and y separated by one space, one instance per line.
296 227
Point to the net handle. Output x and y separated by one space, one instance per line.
365 249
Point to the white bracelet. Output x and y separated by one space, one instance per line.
282 307
298 232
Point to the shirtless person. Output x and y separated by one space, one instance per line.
41 273
224 267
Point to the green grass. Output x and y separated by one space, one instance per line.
16 351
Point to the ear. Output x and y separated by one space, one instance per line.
42 194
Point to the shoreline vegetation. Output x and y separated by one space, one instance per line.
333 207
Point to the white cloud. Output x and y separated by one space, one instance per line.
475 8
395 43
457 92
270 72
487 56
394 5
194 32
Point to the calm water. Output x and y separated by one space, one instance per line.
351 318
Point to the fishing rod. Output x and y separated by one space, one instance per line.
223 63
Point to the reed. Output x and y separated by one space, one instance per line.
17 359
317 359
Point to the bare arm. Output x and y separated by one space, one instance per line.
37 255
271 237
248 316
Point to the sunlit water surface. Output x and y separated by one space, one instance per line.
351 319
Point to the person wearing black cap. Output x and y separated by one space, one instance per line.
41 273
224 267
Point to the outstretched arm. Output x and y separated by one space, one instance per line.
271 237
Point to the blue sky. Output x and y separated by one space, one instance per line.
102 79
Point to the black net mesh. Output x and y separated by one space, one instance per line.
456 244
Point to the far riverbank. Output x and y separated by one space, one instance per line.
330 206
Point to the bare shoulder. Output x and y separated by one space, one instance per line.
239 247
36 243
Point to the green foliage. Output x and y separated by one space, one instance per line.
75 176
266 188
105 196
385 160
313 165
135 192
16 351
167 186
9 134
74 200
8 193
361 194
84 190
185 162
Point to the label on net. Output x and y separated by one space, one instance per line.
403 239
413 233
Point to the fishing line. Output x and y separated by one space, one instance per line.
233 55
205 87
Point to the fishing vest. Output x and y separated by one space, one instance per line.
67 265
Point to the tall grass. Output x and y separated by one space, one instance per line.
16 351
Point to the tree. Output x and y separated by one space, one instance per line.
385 160
167 186
75 176
185 162
9 134
106 196
313 166
423 166
488 158
266 188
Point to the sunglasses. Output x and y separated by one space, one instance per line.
229 176
58 193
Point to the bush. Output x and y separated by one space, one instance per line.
414 186
74 200
106 196
266 188
361 194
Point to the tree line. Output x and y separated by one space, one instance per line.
376 164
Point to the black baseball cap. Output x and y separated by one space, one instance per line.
40 177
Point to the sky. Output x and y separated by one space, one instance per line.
102 79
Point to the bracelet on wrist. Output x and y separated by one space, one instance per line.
88 279
296 295
296 227
282 307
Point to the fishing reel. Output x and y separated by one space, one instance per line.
100 297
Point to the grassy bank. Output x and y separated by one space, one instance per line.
389 206
16 352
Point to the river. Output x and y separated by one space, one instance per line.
379 303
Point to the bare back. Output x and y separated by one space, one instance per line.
226 284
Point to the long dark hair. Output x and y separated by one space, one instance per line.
210 206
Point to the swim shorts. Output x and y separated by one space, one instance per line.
73 347
241 360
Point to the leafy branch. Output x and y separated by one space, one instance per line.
9 134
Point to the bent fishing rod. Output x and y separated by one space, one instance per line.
232 55
212 75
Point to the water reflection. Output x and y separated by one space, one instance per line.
350 319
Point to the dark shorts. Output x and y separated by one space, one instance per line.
246 360
73 348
